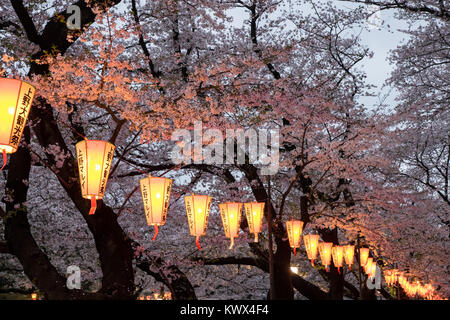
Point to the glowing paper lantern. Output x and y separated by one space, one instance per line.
311 245
155 195
372 270
16 97
94 162
33 296
231 213
368 266
254 211
337 253
389 277
197 210
167 296
349 253
363 256
325 253
294 231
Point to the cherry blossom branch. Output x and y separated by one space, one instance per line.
26 21
439 11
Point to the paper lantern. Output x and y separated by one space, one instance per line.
231 213
337 253
363 256
254 211
349 253
94 162
155 195
372 270
16 97
294 231
325 253
311 245
33 296
197 210
368 265
389 277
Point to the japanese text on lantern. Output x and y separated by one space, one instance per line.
109 157
190 214
166 200
23 109
146 200
82 167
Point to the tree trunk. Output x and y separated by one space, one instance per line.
336 279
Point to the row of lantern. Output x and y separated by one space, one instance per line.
94 159
327 250
395 277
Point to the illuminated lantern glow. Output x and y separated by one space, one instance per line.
311 245
33 296
16 97
167 296
337 252
254 212
294 230
156 195
325 253
363 256
197 210
231 213
389 277
368 266
349 254
94 162
372 271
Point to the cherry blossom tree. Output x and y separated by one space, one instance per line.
137 71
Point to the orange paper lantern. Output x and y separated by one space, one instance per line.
197 210
372 270
294 231
325 253
16 97
337 253
311 245
33 296
368 266
254 212
389 277
349 253
94 162
363 256
231 213
155 195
